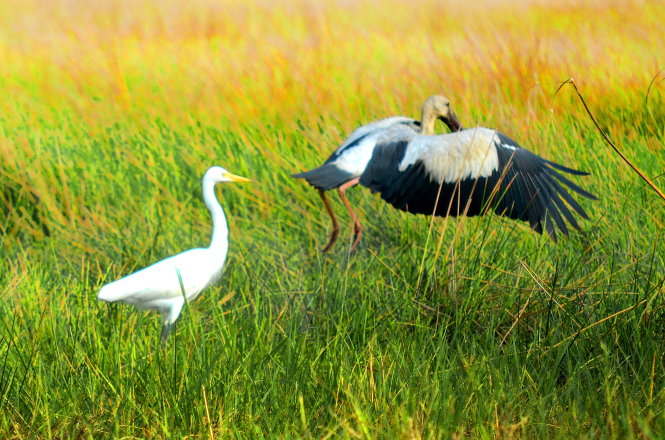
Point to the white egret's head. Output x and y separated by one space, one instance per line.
440 106
219 174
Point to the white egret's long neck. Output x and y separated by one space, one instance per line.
220 229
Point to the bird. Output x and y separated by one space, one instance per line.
471 172
164 286
342 170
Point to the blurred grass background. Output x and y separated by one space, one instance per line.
112 111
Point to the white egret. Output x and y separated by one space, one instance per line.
164 286
343 168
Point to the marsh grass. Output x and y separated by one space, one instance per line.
470 327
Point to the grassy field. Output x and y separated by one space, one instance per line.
461 328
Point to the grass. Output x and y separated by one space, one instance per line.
472 327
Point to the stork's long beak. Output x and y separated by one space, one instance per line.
234 178
453 122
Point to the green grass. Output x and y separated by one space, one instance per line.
471 327
501 332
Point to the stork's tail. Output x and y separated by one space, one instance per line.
325 177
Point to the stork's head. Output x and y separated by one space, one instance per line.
438 106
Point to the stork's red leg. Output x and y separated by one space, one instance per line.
357 228
335 226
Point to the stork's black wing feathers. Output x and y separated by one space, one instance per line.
413 191
550 205
544 186
569 199
572 186
555 207
560 206
560 167
523 187
515 191
383 166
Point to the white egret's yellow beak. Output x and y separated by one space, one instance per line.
234 178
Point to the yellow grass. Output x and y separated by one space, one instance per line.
241 61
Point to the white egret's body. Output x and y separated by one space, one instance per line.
163 286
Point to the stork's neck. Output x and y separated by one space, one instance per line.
428 120
220 230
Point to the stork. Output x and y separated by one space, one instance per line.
471 172
343 168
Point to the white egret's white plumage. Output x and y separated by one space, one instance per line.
469 173
344 167
163 286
